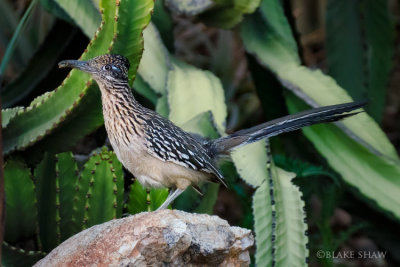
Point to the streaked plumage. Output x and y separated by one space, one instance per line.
159 153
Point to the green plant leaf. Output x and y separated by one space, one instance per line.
103 195
51 109
189 8
81 190
291 230
202 124
155 61
344 44
54 8
137 201
142 199
17 257
277 207
20 200
263 225
133 17
217 13
262 39
249 161
360 38
380 33
45 57
157 197
163 21
208 200
303 169
12 44
141 87
67 176
271 49
118 180
84 13
8 114
47 202
372 176
192 92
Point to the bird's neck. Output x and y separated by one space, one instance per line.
122 114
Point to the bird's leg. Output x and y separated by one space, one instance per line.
171 197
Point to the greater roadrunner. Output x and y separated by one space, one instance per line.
159 153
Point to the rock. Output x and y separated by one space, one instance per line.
165 237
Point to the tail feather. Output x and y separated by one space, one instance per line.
285 124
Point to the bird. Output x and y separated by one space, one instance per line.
158 153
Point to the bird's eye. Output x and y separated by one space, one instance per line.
109 67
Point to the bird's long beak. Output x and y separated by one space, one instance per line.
76 64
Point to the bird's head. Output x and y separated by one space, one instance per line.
108 70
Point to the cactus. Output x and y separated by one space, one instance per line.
67 199
105 192
13 256
66 177
52 109
21 199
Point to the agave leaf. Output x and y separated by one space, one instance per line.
380 33
262 39
84 13
8 24
189 8
344 43
291 230
227 14
162 106
271 49
263 225
163 21
45 57
202 124
141 87
374 177
12 44
54 8
249 162
360 51
218 13
155 61
192 92
277 207
21 199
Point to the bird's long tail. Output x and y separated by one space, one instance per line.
285 124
